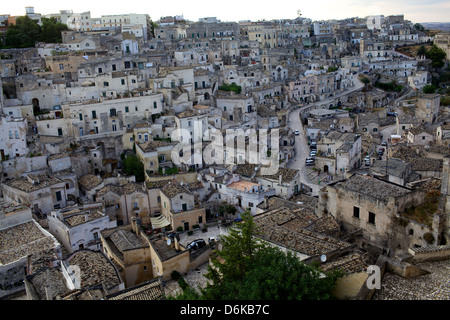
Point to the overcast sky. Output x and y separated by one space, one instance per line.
235 10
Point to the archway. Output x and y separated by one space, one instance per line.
325 169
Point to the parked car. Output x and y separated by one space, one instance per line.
313 153
296 132
196 244
384 144
309 162
313 145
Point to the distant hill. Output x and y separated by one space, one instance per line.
443 26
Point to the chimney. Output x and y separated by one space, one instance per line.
266 202
176 242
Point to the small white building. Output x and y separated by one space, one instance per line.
13 141
79 227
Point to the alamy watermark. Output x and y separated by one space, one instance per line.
374 279
238 146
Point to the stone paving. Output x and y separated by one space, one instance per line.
195 278
433 286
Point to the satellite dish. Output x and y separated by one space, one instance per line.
169 242
323 258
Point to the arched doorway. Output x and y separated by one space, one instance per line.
325 169
206 96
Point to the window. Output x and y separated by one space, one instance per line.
122 81
81 116
371 218
94 114
155 105
114 127
127 109
58 195
112 112
356 212
105 83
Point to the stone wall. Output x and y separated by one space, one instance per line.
431 253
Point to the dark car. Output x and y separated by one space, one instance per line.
196 244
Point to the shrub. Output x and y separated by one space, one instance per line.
180 229
175 275
190 232
183 284
429 88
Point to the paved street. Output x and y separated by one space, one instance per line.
310 177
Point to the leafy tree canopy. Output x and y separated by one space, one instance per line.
429 88
132 165
231 87
27 32
419 27
247 269
437 57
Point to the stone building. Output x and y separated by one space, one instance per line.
42 193
427 108
130 252
382 211
179 207
20 237
79 227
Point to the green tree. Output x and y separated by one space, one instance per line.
246 268
132 165
152 26
238 249
437 57
24 34
419 27
429 88
226 208
422 51
51 30
231 87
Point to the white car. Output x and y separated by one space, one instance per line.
296 132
